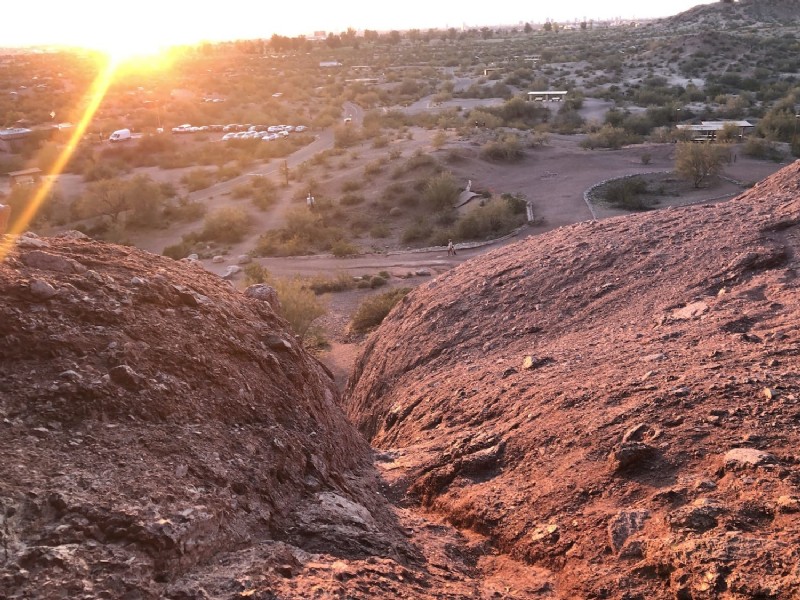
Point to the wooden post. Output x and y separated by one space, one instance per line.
286 173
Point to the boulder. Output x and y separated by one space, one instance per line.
42 290
45 261
262 291
624 524
747 457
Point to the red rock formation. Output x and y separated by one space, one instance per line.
585 399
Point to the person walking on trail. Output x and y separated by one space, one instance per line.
451 249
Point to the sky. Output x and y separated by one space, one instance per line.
152 24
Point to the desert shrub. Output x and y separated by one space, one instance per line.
346 135
198 179
762 149
416 232
506 149
539 139
304 233
516 203
646 158
185 211
298 305
227 224
373 168
352 185
418 160
20 197
264 193
494 219
103 170
376 282
440 192
243 190
481 117
180 250
379 230
697 162
627 193
567 121
608 137
256 273
276 243
351 199
342 248
228 172
323 285
372 311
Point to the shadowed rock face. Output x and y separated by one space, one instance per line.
616 401
152 420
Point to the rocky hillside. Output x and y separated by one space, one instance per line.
154 423
740 13
615 403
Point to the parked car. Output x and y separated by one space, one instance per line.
120 135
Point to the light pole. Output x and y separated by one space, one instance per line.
794 135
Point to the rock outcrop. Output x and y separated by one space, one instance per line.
616 402
153 422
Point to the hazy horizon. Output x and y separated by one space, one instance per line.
160 24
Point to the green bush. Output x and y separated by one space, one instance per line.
494 219
198 179
227 224
416 232
185 210
441 192
372 311
256 273
507 149
340 283
352 185
762 149
299 306
343 248
609 136
627 193
180 250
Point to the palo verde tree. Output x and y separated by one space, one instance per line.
698 162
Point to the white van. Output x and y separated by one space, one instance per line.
120 135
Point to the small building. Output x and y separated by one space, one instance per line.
329 64
9 138
26 176
708 130
547 96
490 70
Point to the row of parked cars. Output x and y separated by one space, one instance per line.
264 132
235 130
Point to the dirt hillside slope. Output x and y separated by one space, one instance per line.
153 419
615 401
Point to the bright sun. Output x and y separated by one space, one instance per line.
129 50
